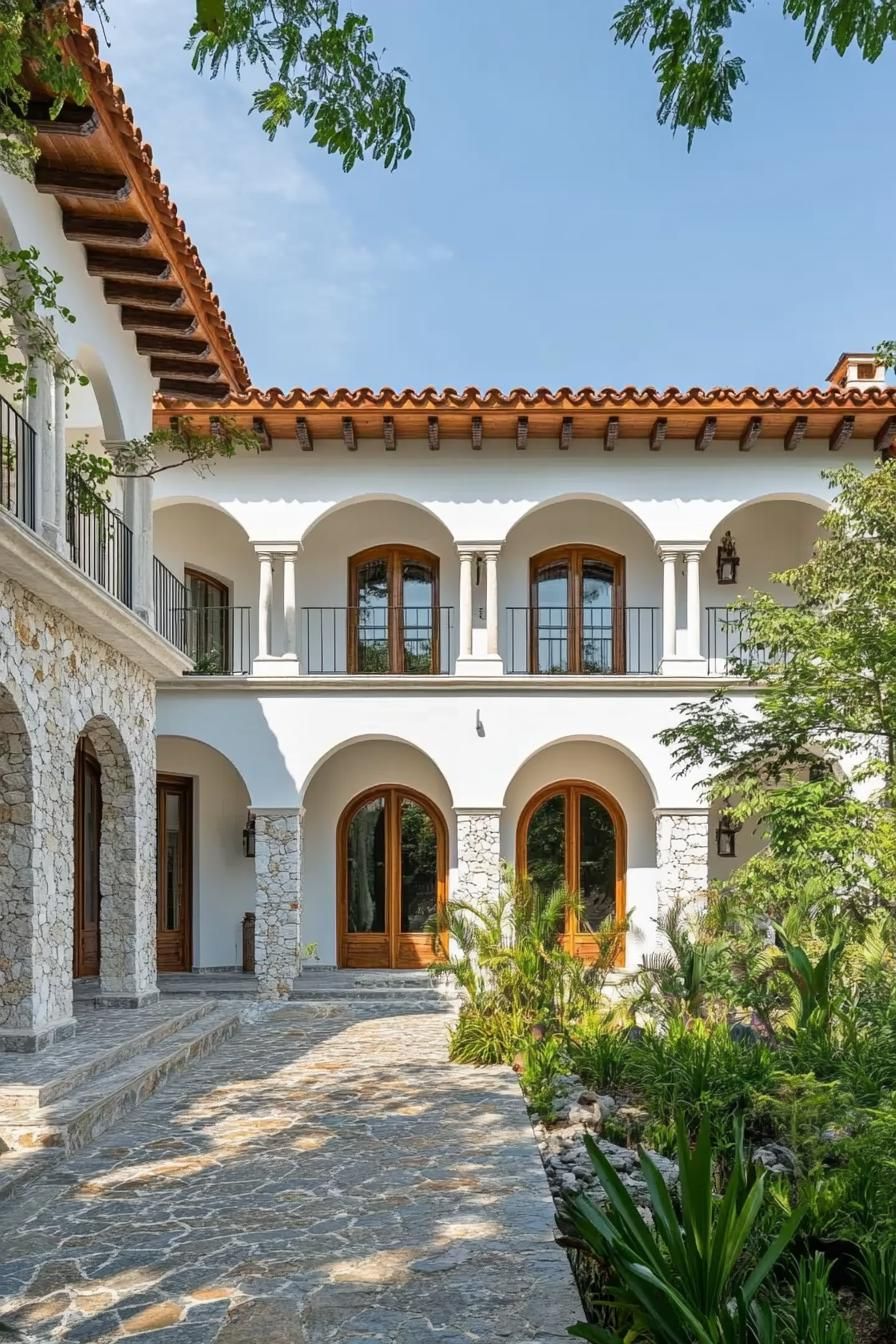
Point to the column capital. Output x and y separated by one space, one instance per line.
274 548
296 811
462 811
479 547
668 550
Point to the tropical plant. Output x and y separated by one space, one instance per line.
599 1051
702 1075
685 1280
815 1314
813 982
676 980
876 1269
544 1060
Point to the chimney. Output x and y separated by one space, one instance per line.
859 372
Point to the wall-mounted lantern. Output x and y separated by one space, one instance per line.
727 560
726 833
249 836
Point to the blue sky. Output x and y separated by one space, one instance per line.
546 231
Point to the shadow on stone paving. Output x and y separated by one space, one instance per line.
325 1176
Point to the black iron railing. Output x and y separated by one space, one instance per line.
377 640
99 541
218 639
587 640
728 646
17 464
169 600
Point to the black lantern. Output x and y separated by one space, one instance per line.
727 560
249 836
726 832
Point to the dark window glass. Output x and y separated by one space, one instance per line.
209 623
366 891
91 845
551 617
373 616
418 599
174 862
597 861
419 867
597 617
546 845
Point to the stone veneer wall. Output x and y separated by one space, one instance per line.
278 866
478 856
62 681
682 856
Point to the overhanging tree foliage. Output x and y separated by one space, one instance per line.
814 758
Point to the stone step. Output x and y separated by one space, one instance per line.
73 1062
69 1123
367 994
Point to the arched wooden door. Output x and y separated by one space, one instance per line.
392 866
573 834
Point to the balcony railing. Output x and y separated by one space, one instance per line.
406 640
99 541
17 464
218 639
169 600
586 640
727 631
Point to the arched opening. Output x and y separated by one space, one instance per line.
580 813
581 582
17 894
105 915
572 834
769 536
392 855
379 582
356 770
209 605
205 883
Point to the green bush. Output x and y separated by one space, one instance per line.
484 1036
815 1315
599 1052
700 1072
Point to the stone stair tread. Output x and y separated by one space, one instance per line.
32 1082
22 1165
98 1102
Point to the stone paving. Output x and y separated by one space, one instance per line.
324 1176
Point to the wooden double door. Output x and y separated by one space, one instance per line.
392 879
174 882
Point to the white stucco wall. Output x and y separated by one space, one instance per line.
223 879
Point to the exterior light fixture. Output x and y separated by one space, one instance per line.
726 831
249 836
727 560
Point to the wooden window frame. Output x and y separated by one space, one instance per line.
573 938
395 556
391 949
575 555
223 587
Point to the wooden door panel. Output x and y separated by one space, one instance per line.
87 896
174 873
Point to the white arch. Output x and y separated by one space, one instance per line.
597 740
198 500
91 362
183 737
576 497
813 501
377 497
349 742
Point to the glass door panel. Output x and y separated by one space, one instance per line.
597 861
366 888
597 616
419 867
209 630
373 616
546 845
418 599
88 822
550 617
174 876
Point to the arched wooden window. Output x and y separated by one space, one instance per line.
208 624
577 610
392 865
572 834
394 611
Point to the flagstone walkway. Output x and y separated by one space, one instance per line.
323 1177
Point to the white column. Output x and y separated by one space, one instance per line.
465 606
59 395
693 603
265 601
38 411
669 603
491 603
289 605
138 516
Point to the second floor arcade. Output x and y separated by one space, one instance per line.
589 535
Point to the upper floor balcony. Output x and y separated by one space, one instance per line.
577 588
